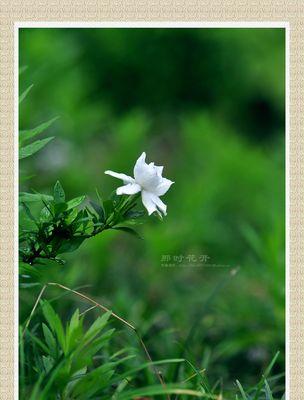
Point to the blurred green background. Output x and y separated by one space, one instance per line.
208 104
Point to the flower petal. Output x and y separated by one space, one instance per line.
140 165
131 188
125 178
146 175
163 187
159 170
160 205
148 202
153 203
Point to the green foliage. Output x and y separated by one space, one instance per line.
75 363
27 150
25 93
30 133
32 148
61 226
61 361
219 131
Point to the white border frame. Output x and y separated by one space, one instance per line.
156 24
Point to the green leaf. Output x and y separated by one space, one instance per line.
32 148
83 355
75 202
28 212
265 376
133 214
30 197
48 363
74 331
25 93
268 391
59 195
59 208
45 213
91 382
28 285
99 197
54 323
108 207
37 341
134 371
244 397
35 394
99 210
30 133
71 244
28 269
129 230
98 343
50 340
22 69
96 327
159 390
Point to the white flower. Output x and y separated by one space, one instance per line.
149 181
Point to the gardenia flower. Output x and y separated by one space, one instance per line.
149 181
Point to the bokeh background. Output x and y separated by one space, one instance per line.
208 104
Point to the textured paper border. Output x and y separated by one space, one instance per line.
151 10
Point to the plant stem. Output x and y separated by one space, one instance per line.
94 302
33 310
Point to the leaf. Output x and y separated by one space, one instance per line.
59 195
54 323
32 148
30 133
144 366
98 343
99 197
30 197
158 390
38 342
28 285
133 214
35 395
268 391
74 331
48 363
59 208
22 69
71 244
50 340
244 397
28 270
25 93
108 207
75 202
45 214
129 230
96 327
91 382
265 376
83 356
99 210
28 212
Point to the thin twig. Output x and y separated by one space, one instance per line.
33 310
157 373
85 311
94 302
